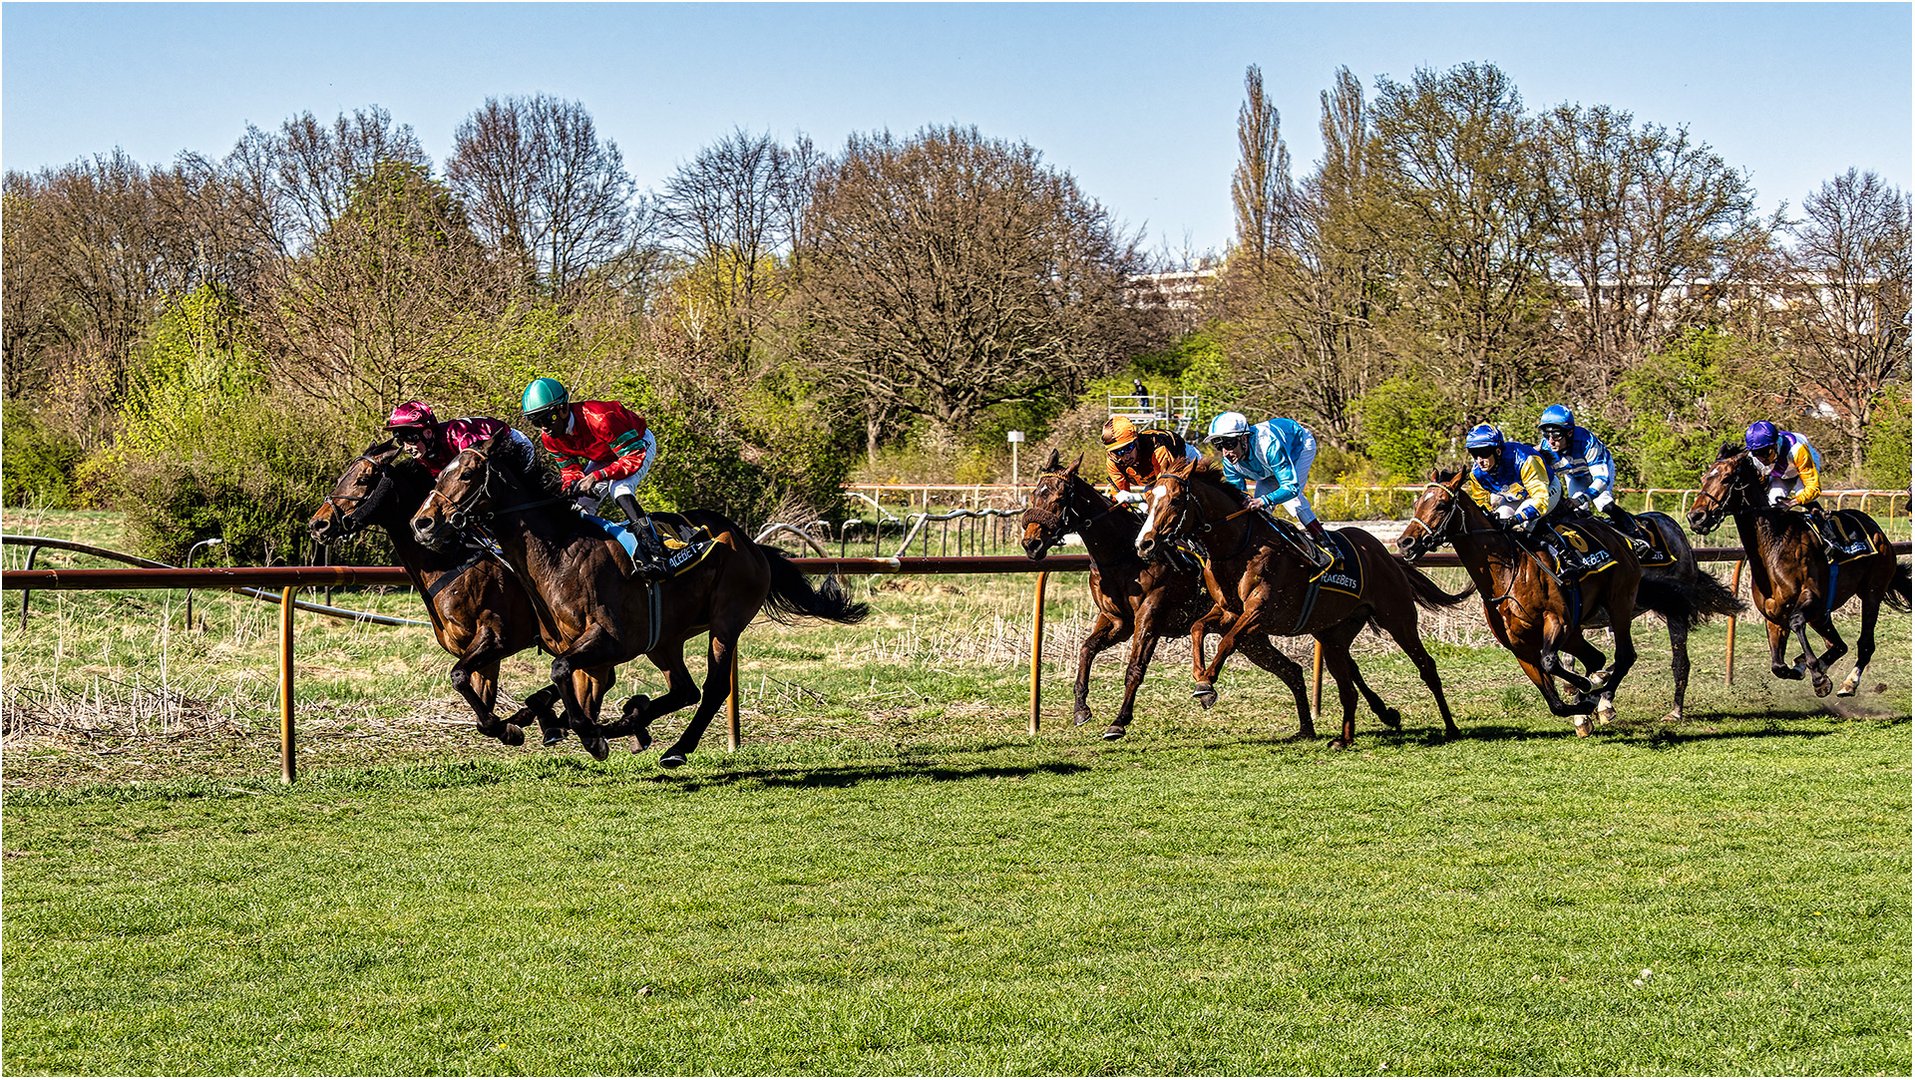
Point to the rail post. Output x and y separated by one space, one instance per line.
1316 691
1728 663
27 594
288 765
1037 649
731 707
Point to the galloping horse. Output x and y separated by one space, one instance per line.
1259 584
1790 575
1526 607
479 613
594 615
1138 599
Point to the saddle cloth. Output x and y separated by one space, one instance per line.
1852 529
1583 553
685 545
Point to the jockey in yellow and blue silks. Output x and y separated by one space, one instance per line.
1588 472
1271 462
1511 480
1793 467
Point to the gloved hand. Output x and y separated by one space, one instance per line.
587 487
1780 499
1260 502
1127 497
1528 522
1581 499
1505 513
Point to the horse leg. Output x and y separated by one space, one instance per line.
1678 662
573 664
1264 653
1104 633
539 707
1824 625
640 710
588 687
1385 715
1143 645
724 644
1799 626
1403 631
1625 659
1778 644
1204 692
1864 642
1336 657
1534 666
1227 644
476 677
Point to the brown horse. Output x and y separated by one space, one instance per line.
1259 584
594 615
479 613
1527 609
1790 577
1140 600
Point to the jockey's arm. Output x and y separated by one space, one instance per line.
1602 467
1534 478
1478 493
625 433
1804 459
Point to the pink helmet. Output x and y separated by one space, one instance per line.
411 414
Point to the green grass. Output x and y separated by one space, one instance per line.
892 877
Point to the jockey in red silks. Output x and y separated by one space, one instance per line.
435 444
603 448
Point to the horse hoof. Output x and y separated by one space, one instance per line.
598 748
1113 733
1823 685
1849 685
672 761
1583 727
1605 713
635 707
642 740
1391 719
1599 680
1205 694
1673 716
1338 744
1084 716
1785 672
552 737
514 735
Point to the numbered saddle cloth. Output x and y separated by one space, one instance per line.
1343 575
685 545
1582 552
1851 533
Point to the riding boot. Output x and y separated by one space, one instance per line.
651 554
1627 524
1568 568
1325 554
1824 528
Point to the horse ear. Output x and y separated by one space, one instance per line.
383 452
1076 463
1056 459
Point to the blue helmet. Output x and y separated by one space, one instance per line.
1557 416
1760 436
1484 437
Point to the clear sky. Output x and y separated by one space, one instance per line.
1138 101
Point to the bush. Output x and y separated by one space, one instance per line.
1405 426
1886 466
40 461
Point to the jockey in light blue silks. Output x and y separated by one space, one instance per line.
1587 470
1271 462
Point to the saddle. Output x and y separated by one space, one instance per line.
685 545
1343 575
1848 535
1576 554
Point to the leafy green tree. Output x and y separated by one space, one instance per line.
1685 402
1406 426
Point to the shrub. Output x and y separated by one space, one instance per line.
40 461
1405 426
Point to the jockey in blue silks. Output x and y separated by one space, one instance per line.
1271 462
1513 481
1587 470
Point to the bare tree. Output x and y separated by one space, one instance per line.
298 179
952 273
549 198
1849 264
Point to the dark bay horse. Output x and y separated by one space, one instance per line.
1139 600
593 615
1790 575
479 613
1527 609
1259 584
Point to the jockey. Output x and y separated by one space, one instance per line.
603 448
1587 470
1271 462
1513 481
435 444
1137 455
1794 470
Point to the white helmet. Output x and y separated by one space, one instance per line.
1227 425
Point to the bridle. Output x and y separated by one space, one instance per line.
352 504
1430 537
459 515
1060 523
1735 492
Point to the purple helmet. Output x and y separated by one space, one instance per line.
1760 436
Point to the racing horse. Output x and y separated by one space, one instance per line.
1528 609
478 611
594 615
1139 600
1260 584
1791 578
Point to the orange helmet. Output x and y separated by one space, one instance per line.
1119 432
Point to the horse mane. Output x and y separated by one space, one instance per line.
1729 449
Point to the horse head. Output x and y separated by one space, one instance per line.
1048 516
1172 510
461 499
363 492
1435 517
1728 487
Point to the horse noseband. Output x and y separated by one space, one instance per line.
458 519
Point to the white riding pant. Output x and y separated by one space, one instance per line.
626 486
1299 506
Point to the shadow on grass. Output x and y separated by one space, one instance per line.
844 776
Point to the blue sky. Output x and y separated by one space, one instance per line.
1138 101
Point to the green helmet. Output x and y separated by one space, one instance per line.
544 400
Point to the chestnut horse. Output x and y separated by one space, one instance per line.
1139 600
594 615
1526 607
1789 572
479 613
1259 585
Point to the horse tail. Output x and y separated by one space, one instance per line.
1429 596
1694 599
793 595
1898 588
